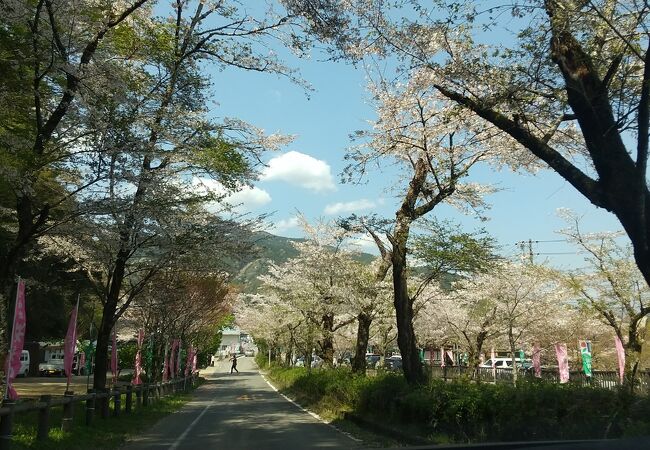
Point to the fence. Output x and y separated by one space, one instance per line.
599 378
96 404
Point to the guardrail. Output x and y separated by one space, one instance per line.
96 404
600 378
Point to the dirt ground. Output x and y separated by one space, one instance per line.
37 386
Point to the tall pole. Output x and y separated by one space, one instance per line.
74 343
89 362
530 250
11 345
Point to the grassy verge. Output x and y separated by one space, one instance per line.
467 412
102 434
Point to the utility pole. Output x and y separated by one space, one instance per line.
530 250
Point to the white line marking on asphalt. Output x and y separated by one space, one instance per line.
311 413
178 441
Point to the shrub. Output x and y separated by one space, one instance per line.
466 411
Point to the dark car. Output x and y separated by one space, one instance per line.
372 360
393 363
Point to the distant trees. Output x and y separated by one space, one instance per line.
106 142
612 289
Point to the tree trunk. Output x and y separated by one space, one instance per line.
633 349
475 355
363 335
511 341
108 318
327 342
406 342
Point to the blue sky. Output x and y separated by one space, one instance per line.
305 176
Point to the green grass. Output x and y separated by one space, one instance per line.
102 434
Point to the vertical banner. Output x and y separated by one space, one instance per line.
166 363
188 363
70 343
562 362
442 357
138 359
12 361
537 360
114 356
620 353
194 360
450 354
178 359
585 354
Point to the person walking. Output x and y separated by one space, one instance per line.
234 363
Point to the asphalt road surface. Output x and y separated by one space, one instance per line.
240 411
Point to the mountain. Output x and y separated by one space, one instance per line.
270 249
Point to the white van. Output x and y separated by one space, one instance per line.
506 363
24 363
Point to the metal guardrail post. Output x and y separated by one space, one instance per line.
6 425
68 412
129 399
117 402
44 419
106 396
145 395
90 407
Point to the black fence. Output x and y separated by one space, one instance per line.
95 404
600 378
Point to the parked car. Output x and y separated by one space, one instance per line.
316 362
249 352
24 363
372 360
53 366
393 362
506 363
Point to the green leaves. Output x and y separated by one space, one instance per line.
445 250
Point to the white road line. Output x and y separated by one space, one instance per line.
180 438
311 413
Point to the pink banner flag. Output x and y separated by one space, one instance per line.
166 363
442 357
194 360
450 354
537 360
12 362
138 359
114 356
620 354
562 362
69 348
178 358
188 363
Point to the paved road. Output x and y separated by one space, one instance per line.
239 412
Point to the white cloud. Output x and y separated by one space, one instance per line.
301 170
286 224
245 199
349 207
363 243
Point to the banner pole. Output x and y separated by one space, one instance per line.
11 344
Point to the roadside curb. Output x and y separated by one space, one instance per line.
311 413
385 430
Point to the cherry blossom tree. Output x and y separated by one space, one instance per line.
567 80
435 144
613 288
